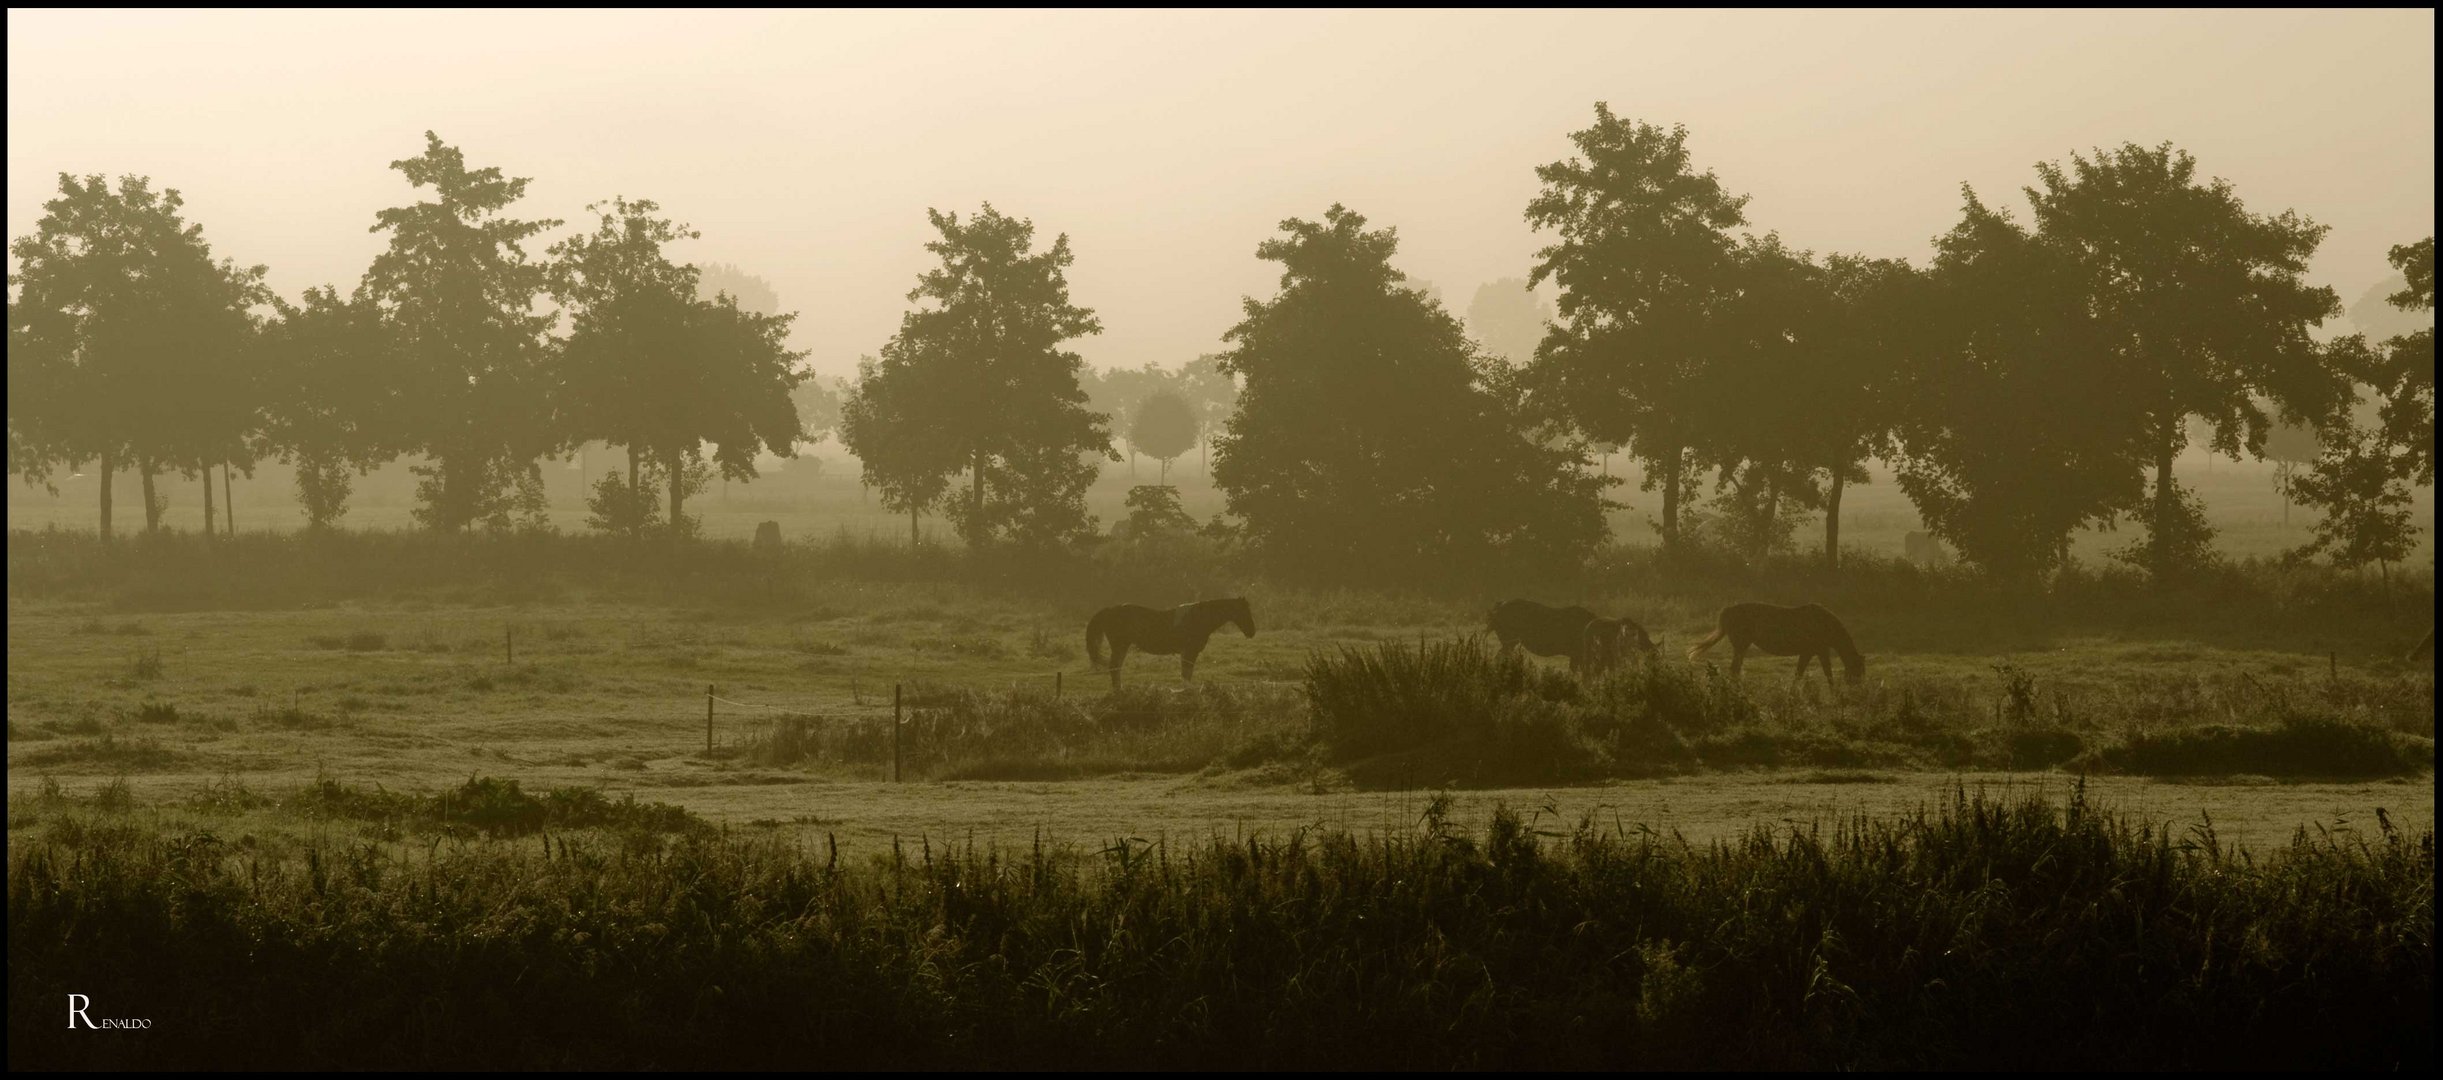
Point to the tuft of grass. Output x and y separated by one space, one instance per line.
2303 745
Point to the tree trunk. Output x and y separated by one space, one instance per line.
152 506
675 480
211 520
229 501
1671 499
976 506
1772 516
1832 523
106 466
2165 504
632 480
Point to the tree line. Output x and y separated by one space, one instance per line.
2028 381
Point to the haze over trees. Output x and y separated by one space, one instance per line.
1646 265
979 380
1434 474
128 344
2028 382
457 292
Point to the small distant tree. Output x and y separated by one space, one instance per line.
1165 427
752 293
2292 446
1153 510
2359 484
1508 319
1213 394
898 443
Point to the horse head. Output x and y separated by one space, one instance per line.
1241 614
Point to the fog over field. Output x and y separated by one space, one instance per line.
1164 540
806 146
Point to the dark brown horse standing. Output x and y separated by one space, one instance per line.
1543 630
1808 632
1182 630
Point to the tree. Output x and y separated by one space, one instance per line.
818 406
2017 424
1753 399
1213 394
984 365
1165 427
650 367
2202 302
1507 318
1874 337
1644 266
2359 485
328 398
129 344
753 293
2405 377
456 293
1372 442
898 442
2362 479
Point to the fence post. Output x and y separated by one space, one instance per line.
708 719
508 637
894 733
1056 685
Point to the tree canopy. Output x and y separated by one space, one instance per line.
1371 442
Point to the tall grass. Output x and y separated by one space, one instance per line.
1461 711
1980 933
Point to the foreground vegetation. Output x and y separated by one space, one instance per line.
1978 933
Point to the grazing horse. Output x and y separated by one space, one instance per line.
1609 641
1544 631
1808 632
1182 630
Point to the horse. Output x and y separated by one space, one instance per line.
1544 631
1608 641
1808 632
1182 630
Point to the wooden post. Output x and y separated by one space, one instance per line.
708 719
1056 685
894 733
509 642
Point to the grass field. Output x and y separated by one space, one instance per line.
449 802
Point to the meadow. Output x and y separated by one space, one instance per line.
464 786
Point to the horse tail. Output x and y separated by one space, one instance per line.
1095 633
1705 644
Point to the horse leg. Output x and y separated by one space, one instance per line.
1187 666
1738 656
1119 652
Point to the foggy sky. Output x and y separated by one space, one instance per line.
807 146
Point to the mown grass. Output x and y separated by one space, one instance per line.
1979 933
